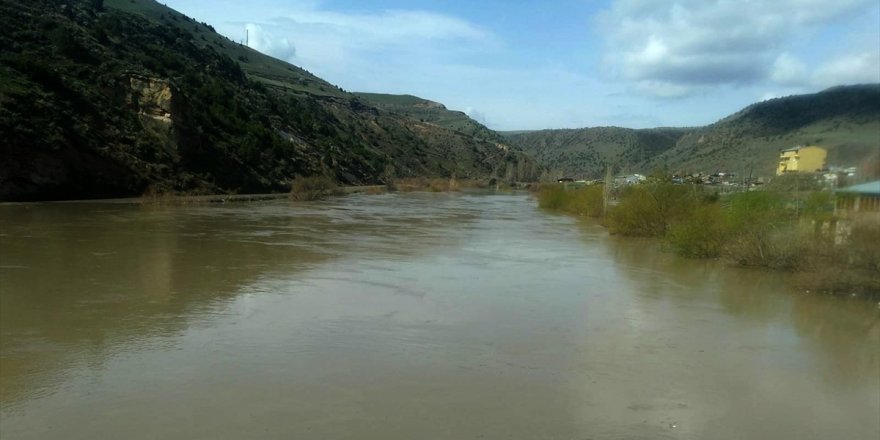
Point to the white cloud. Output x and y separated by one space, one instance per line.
769 95
857 68
342 46
267 42
788 70
394 26
674 49
664 89
706 57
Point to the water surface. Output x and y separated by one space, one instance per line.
400 316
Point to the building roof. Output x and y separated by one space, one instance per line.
869 188
799 147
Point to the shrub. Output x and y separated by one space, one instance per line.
701 234
422 184
313 188
758 211
862 249
763 233
776 248
443 185
552 197
406 184
649 210
851 267
585 201
819 206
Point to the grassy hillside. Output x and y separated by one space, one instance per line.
106 99
586 152
844 120
431 112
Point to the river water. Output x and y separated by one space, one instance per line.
407 316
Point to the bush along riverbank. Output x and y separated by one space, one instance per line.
321 187
771 228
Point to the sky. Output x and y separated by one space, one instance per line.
525 65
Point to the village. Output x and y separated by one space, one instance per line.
803 165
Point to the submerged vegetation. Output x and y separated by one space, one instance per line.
313 188
775 229
585 201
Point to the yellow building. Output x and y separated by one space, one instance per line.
801 159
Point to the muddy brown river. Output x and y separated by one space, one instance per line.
407 316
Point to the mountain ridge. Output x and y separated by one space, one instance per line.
843 119
120 97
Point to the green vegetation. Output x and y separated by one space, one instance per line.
587 152
699 234
435 185
792 231
844 120
313 188
585 201
110 99
430 112
650 210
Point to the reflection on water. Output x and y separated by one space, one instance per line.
848 329
407 316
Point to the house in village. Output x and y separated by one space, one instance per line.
859 201
629 179
801 159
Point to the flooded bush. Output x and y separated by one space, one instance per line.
406 184
760 231
443 185
702 234
588 201
649 210
552 197
851 266
313 188
775 248
439 184
771 229
585 201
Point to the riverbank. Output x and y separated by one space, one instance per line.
206 198
796 233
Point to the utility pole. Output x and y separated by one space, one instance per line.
247 37
606 192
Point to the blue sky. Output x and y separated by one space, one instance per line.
568 63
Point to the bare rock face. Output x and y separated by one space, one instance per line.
151 97
155 102
430 104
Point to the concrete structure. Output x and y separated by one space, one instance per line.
801 159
